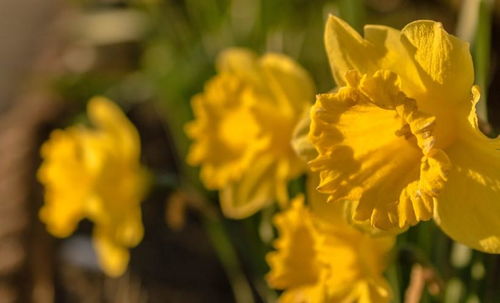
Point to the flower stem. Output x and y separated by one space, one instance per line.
393 276
482 46
228 257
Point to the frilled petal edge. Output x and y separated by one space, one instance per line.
377 148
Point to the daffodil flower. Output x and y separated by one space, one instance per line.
243 125
320 258
399 138
95 173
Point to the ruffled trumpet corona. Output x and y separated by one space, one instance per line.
244 120
399 137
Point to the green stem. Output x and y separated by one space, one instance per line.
228 257
168 181
394 281
482 46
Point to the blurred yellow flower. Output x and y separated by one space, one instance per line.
400 138
322 261
95 173
243 125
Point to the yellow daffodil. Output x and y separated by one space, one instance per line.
399 138
320 258
243 125
95 173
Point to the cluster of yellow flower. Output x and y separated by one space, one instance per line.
95 173
396 143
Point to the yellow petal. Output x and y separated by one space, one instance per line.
347 50
243 128
112 257
96 174
306 294
375 147
381 48
111 121
300 140
130 231
356 262
290 83
277 125
338 213
435 67
326 260
293 264
256 189
309 293
124 225
64 166
240 62
468 208
331 212
225 131
370 291
444 62
396 57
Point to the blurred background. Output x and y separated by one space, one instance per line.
151 56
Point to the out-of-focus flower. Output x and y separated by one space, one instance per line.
400 139
321 261
95 173
243 125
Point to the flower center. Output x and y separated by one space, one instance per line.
238 128
376 148
383 90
